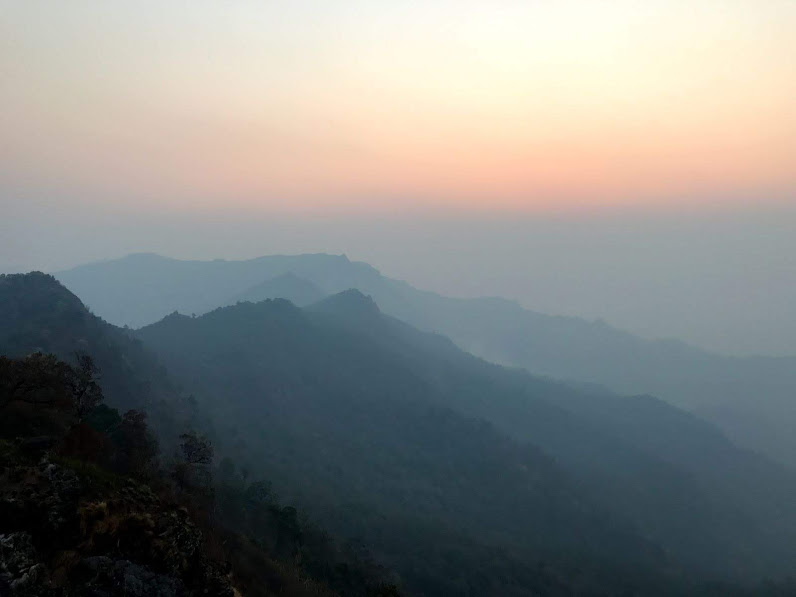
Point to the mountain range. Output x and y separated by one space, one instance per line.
463 476
750 399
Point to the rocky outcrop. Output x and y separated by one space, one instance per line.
100 575
66 534
21 572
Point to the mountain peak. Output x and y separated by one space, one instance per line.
145 255
36 290
351 302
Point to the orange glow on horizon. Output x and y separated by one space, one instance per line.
468 105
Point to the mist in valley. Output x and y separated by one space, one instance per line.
723 280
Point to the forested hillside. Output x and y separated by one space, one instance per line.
749 398
351 433
90 507
122 496
463 477
337 372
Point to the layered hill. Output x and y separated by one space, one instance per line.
468 478
457 506
37 314
353 433
751 399
382 415
268 548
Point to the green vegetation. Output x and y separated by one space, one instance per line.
141 289
444 474
86 509
358 416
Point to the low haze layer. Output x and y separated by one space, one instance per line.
626 161
721 279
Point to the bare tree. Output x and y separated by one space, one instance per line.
83 384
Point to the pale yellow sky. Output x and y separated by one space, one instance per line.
371 105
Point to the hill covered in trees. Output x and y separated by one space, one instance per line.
749 398
464 477
335 385
99 495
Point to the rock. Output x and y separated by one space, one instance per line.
140 581
124 542
97 563
100 576
20 571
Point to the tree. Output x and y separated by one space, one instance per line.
82 382
192 471
104 419
226 471
38 379
196 449
259 494
137 450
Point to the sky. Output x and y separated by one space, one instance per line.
619 159
376 104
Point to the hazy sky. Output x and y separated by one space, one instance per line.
632 160
374 103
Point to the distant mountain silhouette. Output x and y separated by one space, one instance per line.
288 286
750 398
143 288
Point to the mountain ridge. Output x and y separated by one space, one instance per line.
748 397
408 414
654 463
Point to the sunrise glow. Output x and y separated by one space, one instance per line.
456 104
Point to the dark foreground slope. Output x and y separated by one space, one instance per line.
91 509
68 503
69 529
384 418
751 399
37 314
